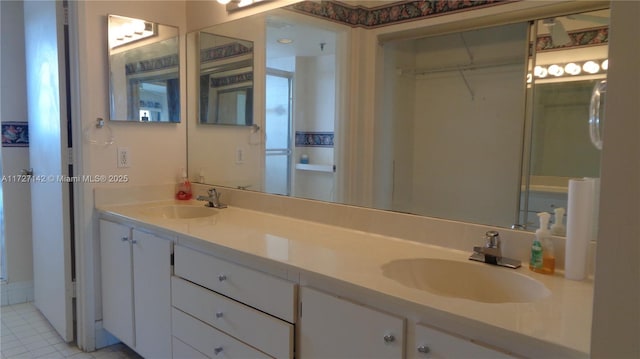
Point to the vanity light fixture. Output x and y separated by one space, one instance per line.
572 68
555 70
123 30
591 67
540 72
285 41
234 5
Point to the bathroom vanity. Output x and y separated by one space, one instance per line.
205 283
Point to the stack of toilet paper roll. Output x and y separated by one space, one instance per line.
582 221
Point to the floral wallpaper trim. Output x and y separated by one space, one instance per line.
231 79
232 49
586 37
158 63
314 139
401 11
15 134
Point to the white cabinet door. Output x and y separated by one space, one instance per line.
331 327
152 294
117 284
435 344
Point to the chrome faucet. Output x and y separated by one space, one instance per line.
491 253
213 199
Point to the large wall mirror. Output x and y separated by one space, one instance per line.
400 115
144 70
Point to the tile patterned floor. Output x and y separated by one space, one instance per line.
27 334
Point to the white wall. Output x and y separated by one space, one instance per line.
213 148
157 151
314 111
16 196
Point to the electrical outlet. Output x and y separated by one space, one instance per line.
124 161
239 155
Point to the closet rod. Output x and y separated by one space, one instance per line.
457 68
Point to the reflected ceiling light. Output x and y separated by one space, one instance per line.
234 5
591 67
540 72
123 30
572 68
605 64
555 70
284 41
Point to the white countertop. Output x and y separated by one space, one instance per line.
355 257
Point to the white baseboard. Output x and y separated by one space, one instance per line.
16 292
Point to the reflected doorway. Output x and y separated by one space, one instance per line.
278 122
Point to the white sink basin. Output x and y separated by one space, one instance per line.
475 281
180 211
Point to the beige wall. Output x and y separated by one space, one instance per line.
16 196
212 149
616 316
157 151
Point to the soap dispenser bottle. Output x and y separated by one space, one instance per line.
543 258
183 190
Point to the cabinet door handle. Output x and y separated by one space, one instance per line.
124 239
219 315
423 349
133 241
217 350
222 277
389 338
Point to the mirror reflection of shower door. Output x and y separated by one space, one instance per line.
278 132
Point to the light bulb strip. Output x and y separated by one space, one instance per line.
590 67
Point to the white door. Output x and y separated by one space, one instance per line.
46 92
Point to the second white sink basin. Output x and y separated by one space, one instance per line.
474 281
180 211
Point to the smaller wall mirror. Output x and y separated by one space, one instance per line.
226 80
144 69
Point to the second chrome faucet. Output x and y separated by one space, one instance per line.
491 252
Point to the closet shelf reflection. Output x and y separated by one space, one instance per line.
315 168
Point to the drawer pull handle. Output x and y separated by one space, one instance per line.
217 350
423 349
219 315
389 338
222 277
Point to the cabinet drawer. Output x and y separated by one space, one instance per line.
184 351
435 344
270 294
210 341
262 331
